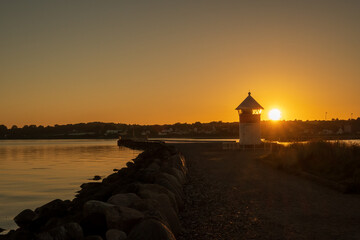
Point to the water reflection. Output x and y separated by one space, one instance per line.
33 172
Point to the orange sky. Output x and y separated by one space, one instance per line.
161 62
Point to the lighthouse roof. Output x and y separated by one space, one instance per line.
249 103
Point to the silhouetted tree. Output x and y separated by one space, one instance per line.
3 131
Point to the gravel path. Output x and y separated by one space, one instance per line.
231 195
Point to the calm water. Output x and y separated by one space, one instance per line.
195 140
34 172
202 140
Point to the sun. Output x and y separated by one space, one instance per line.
275 114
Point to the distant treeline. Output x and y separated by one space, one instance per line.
271 130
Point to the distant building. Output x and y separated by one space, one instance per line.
326 132
109 132
347 128
249 121
340 131
82 133
145 133
169 130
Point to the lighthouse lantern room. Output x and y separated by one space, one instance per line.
249 121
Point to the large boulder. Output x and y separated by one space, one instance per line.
122 218
178 161
94 191
44 236
69 231
93 237
74 231
99 207
112 178
159 193
123 199
24 218
55 208
171 183
59 233
95 214
163 212
178 174
125 220
154 166
114 234
20 234
171 179
145 175
94 224
151 229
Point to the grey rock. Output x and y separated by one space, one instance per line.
98 207
122 218
162 212
125 219
130 164
150 229
74 230
44 236
170 183
154 166
93 237
178 174
123 199
94 224
19 234
25 217
96 215
114 234
159 193
172 179
59 233
178 161
96 178
55 208
143 205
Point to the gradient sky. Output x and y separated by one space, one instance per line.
162 62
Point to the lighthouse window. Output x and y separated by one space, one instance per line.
256 111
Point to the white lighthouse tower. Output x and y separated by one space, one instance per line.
249 121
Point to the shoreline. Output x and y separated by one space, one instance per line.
36 172
315 138
148 192
216 194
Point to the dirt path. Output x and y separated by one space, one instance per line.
231 195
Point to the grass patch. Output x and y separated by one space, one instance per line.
335 161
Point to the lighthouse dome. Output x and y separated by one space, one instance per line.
249 103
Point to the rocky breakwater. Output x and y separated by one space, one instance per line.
140 201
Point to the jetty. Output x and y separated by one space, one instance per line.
140 201
234 195
195 191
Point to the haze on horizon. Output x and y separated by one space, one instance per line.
161 62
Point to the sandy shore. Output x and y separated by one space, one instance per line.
231 195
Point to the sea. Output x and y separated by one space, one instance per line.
34 172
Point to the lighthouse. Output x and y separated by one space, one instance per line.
249 121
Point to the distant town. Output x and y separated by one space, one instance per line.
296 130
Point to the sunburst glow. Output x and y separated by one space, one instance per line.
275 114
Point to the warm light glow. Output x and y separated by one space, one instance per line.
274 114
144 63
